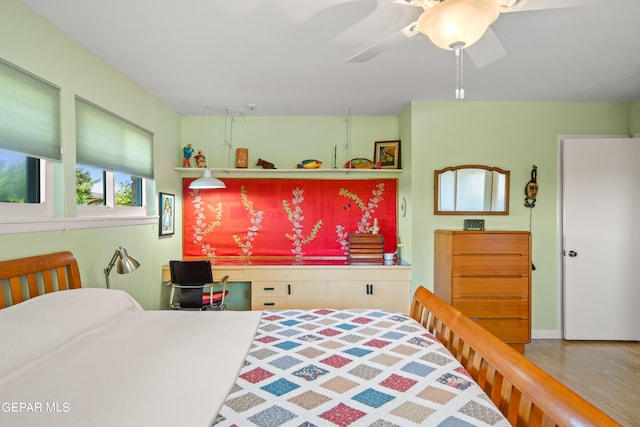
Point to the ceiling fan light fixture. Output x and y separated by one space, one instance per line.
452 24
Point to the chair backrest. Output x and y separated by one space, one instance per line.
191 272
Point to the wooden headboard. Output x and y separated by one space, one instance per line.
524 393
25 278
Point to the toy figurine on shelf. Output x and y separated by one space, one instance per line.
187 152
201 160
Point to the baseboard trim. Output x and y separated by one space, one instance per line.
546 334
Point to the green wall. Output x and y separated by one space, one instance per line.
286 141
635 118
512 136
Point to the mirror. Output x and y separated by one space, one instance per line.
471 190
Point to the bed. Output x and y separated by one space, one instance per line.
88 356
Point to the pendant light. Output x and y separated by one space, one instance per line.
207 181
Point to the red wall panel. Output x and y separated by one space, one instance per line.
286 217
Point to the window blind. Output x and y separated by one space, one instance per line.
107 141
29 114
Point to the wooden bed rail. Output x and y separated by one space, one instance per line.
42 274
524 393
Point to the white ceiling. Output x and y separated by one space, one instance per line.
287 57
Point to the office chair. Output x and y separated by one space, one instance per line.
192 277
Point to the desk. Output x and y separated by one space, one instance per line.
285 283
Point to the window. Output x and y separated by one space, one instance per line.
119 153
29 134
113 157
19 178
97 187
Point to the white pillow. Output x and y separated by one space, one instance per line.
36 327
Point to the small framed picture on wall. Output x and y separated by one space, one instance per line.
167 214
387 155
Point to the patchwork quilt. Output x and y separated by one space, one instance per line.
352 368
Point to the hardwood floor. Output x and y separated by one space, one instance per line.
607 374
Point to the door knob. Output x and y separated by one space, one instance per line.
573 254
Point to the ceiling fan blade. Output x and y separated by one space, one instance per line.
526 5
384 44
486 50
334 20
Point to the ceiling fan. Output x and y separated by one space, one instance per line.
461 24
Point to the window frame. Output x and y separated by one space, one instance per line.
110 208
41 209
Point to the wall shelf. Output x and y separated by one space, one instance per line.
221 172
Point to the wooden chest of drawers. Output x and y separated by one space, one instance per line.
487 276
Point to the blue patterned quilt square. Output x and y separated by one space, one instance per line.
393 335
419 369
272 417
285 362
359 352
287 345
280 387
373 398
346 326
291 322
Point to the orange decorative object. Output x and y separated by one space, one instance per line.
242 157
360 163
309 164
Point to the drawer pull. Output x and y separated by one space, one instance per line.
289 288
518 254
269 303
471 276
269 289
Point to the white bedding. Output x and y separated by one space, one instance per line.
93 357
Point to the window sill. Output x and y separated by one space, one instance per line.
32 225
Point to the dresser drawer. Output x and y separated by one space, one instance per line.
508 330
269 289
268 303
491 243
490 265
493 308
490 287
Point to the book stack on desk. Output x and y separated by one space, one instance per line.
366 248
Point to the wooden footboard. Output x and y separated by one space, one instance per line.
25 278
524 393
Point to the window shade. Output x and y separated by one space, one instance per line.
29 114
109 142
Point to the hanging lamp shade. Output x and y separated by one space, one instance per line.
206 182
453 24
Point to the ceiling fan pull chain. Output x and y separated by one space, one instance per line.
457 53
461 74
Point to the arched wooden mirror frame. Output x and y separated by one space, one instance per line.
436 207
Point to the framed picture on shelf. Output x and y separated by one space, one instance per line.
387 154
167 214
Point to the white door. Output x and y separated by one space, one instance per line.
601 238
